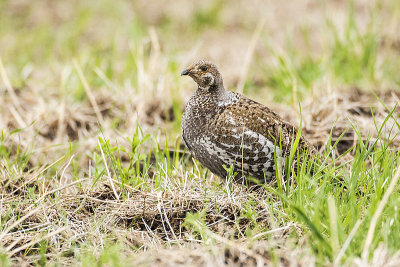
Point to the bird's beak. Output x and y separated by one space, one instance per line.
185 72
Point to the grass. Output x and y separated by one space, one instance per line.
93 171
350 58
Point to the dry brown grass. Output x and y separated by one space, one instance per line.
151 221
54 197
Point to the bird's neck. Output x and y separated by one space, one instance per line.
215 88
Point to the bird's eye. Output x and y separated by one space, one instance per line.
203 68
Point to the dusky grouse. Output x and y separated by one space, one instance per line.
221 127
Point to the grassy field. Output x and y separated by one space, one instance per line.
92 168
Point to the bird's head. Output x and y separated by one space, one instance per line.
205 74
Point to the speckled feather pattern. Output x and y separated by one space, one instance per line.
221 127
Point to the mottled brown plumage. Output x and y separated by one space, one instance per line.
221 127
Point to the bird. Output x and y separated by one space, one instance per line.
224 129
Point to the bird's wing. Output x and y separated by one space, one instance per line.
234 135
277 128
256 127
